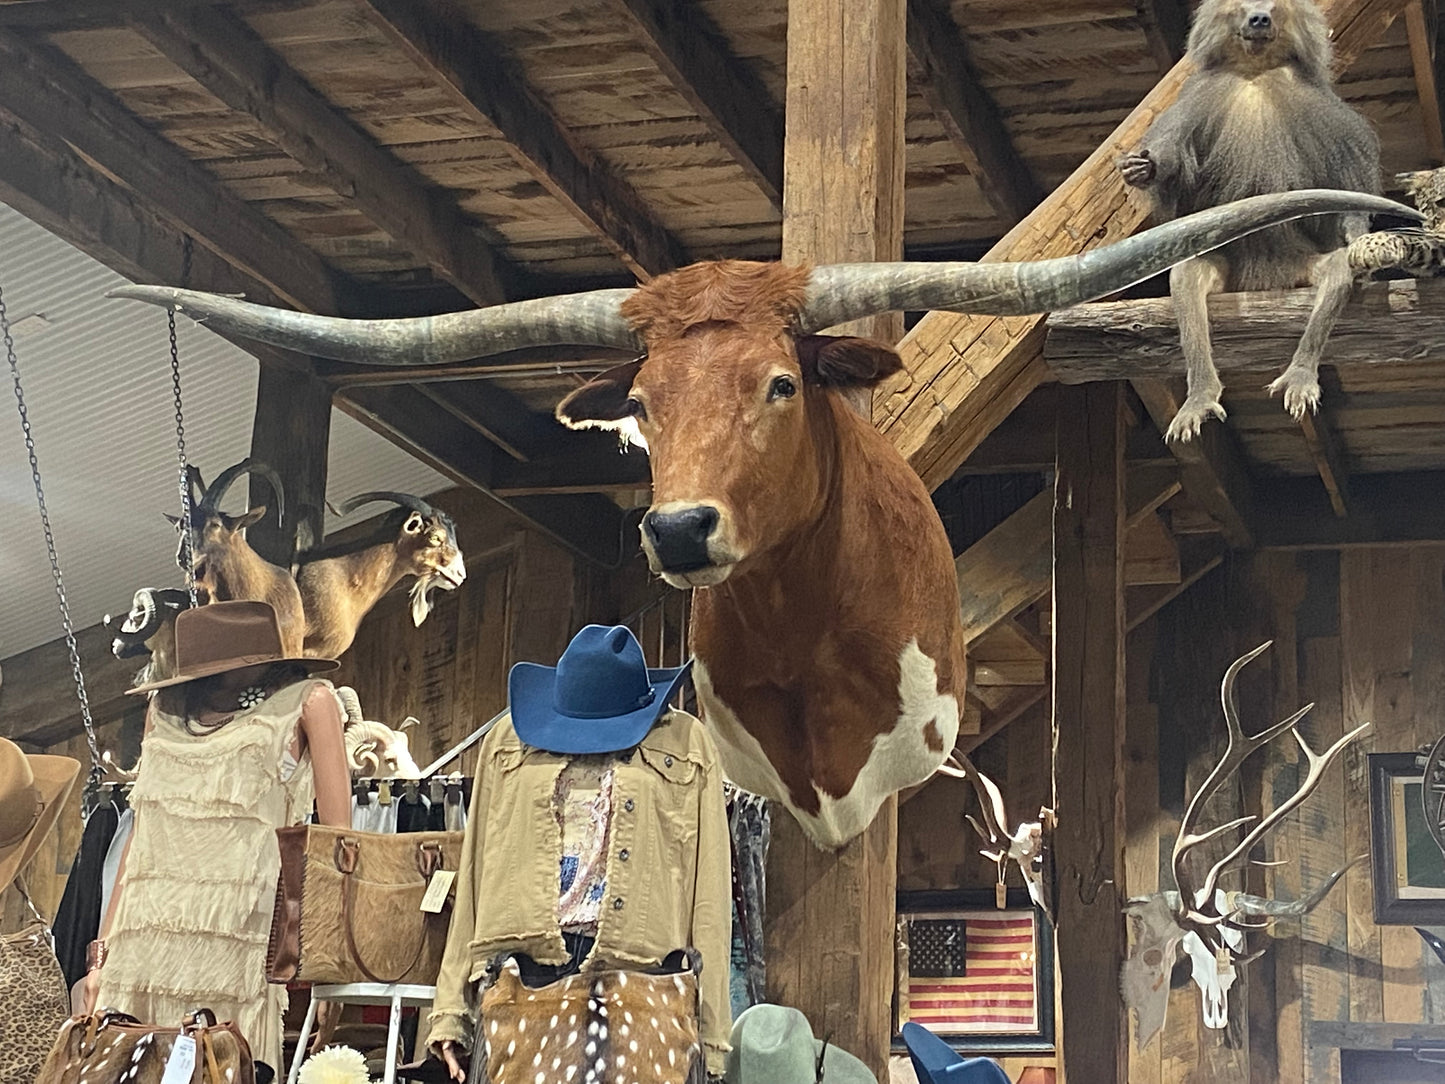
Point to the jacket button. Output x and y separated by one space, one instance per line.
624 854
627 805
667 761
617 904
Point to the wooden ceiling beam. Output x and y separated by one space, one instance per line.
589 525
582 465
1423 31
728 97
1385 323
51 93
222 53
1327 452
38 704
968 112
953 361
1166 28
483 80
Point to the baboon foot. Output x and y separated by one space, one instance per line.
1197 410
1301 391
1137 168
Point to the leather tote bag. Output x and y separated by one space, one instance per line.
112 1048
349 905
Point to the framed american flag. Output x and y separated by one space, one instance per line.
976 975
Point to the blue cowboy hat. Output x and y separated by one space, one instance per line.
935 1062
599 698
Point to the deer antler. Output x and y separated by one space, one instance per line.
1193 899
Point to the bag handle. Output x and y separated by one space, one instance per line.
345 855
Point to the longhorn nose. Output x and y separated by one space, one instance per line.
1260 20
679 539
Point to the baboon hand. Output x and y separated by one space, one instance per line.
1197 410
1137 168
1301 391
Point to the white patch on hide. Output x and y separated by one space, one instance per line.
626 429
900 758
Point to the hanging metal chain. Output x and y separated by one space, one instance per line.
92 784
186 534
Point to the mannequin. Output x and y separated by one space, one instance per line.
597 843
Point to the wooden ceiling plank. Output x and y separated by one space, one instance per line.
730 99
41 86
968 112
37 700
585 466
485 82
1007 569
1385 509
221 52
923 409
1422 29
1166 28
1198 558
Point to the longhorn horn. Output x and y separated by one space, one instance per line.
409 501
1246 904
846 292
835 294
217 491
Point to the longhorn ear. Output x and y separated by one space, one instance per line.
842 361
601 403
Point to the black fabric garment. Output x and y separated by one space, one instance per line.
77 922
264 1073
412 812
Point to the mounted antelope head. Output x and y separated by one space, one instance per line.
374 750
1027 845
340 585
1203 920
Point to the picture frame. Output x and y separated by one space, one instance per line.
1407 867
1011 1009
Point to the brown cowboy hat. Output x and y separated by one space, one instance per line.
33 790
224 636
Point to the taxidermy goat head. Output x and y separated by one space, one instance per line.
1200 918
340 585
224 565
374 750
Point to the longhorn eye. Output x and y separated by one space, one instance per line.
635 409
782 387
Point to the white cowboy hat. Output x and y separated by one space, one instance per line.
33 790
774 1044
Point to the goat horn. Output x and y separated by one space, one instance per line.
351 702
846 292
590 319
835 294
406 500
217 491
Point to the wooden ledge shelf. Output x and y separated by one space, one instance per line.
1385 323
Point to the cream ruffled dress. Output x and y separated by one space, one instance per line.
194 916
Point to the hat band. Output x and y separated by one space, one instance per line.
642 702
10 840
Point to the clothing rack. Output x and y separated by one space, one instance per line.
462 746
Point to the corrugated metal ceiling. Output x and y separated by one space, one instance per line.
97 382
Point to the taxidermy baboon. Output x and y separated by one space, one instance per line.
1260 114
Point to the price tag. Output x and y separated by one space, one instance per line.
181 1065
436 892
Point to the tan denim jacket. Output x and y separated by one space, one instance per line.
668 871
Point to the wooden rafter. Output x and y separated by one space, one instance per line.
41 86
38 696
1385 510
730 99
1422 29
1325 448
968 112
223 54
1166 26
963 374
485 82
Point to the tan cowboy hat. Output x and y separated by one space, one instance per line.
33 790
223 636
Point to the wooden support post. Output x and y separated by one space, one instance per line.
1089 702
290 434
830 915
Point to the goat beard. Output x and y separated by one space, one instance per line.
421 598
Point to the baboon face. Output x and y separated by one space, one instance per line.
1256 24
1257 35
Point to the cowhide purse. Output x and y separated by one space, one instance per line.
112 1048
33 999
602 1025
348 905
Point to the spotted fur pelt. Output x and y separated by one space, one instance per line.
610 1027
33 1002
116 1049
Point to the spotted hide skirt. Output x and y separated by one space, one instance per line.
604 1027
